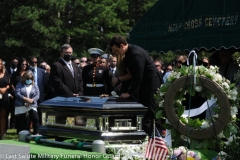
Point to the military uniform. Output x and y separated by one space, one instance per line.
96 79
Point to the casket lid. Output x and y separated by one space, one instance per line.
95 102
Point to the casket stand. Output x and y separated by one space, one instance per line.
111 119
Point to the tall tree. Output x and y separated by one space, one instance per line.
40 27
137 8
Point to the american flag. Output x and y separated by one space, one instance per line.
156 149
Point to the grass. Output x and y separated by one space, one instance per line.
11 134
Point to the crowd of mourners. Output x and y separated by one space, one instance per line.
27 81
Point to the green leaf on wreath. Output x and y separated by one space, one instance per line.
205 143
191 90
164 87
180 109
206 93
159 114
180 94
216 110
191 122
173 133
232 128
183 120
194 143
200 145
226 132
211 144
232 85
198 123
183 70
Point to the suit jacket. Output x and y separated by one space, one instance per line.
146 78
21 92
63 82
9 71
40 82
228 70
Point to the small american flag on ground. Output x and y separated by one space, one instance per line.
157 149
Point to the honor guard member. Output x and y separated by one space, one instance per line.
96 79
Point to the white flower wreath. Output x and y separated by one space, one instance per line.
211 74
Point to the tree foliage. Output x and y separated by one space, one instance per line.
40 27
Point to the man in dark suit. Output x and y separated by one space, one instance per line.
10 69
65 76
145 77
39 76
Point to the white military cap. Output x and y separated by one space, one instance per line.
95 51
105 56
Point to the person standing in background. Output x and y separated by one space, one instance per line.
103 62
65 75
17 76
39 76
42 64
113 66
228 66
27 95
96 79
89 61
14 80
4 102
48 69
159 64
83 62
11 69
76 61
13 66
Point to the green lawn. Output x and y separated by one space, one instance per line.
11 134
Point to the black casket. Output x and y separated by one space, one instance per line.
93 118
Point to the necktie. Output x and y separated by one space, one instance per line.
71 69
35 75
112 72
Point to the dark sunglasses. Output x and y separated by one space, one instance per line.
77 63
178 62
24 64
29 78
94 55
34 61
168 69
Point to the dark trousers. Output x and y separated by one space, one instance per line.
10 109
2 121
147 99
23 121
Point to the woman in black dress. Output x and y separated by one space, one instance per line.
4 86
21 68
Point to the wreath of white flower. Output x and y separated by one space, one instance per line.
230 90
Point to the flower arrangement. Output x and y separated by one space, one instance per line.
229 89
181 153
129 152
230 149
